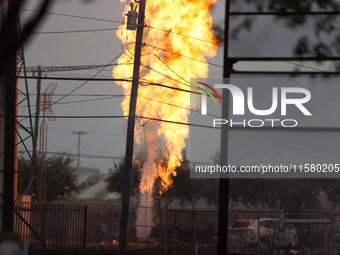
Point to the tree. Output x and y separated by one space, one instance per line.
183 189
116 175
309 44
291 192
61 178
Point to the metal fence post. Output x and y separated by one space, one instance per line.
166 224
258 233
193 225
281 229
43 226
331 246
84 229
326 237
334 233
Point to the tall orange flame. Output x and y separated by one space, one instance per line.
170 56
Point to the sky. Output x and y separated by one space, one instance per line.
63 39
104 137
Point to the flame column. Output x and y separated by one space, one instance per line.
131 132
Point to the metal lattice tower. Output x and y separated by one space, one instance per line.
79 133
46 108
24 129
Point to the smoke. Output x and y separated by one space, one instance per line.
144 221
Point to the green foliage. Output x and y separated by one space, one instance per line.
61 179
183 189
116 175
312 41
291 192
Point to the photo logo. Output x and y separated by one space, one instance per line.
300 97
239 99
204 97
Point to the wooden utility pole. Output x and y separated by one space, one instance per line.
223 213
130 133
36 129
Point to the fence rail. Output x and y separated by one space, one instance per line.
76 228
57 227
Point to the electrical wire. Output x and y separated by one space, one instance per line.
89 100
142 83
75 78
121 116
86 81
116 96
76 31
122 22
189 84
82 101
171 69
203 61
312 68
178 106
169 87
81 116
166 76
46 69
76 155
195 38
74 16
84 95
87 132
126 49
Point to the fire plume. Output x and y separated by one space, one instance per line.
171 55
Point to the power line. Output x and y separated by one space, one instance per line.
116 96
82 101
81 85
118 116
169 87
74 16
90 100
143 83
85 95
195 38
177 106
68 68
81 155
203 61
96 133
171 69
73 78
77 31
312 68
120 22
168 77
